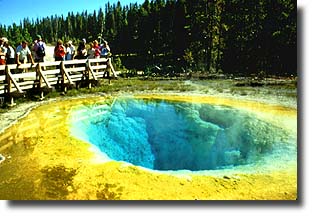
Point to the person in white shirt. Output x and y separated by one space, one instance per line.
70 51
23 54
10 55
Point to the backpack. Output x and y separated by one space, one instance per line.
40 50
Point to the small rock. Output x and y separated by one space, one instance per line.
226 177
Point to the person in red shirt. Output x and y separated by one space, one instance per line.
3 50
59 51
97 49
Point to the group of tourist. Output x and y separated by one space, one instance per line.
23 54
68 52
9 55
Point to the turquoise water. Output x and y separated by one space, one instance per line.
163 135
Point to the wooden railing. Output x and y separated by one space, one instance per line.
17 79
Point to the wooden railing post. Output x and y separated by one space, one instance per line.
91 74
42 79
65 75
62 68
9 86
39 75
87 73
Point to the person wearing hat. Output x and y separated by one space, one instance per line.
39 49
70 51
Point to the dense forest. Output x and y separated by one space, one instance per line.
239 37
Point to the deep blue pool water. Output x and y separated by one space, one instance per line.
163 135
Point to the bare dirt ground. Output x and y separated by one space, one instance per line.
49 54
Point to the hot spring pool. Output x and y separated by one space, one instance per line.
165 135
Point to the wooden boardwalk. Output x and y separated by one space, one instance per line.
16 80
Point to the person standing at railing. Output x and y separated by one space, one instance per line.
97 49
106 53
3 50
59 51
70 51
82 52
23 54
105 50
39 49
90 51
10 55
